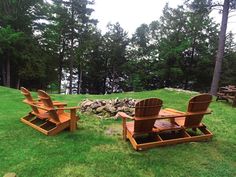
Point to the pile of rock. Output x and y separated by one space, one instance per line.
108 108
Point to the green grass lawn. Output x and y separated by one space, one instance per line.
97 148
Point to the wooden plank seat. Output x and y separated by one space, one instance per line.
192 119
48 119
152 127
165 125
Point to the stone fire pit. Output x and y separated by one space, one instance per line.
108 108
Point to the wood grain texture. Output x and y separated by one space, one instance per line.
150 123
47 118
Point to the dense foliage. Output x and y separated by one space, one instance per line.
56 44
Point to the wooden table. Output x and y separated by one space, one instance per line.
227 93
171 115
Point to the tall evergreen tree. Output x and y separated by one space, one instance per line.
228 4
94 64
142 58
73 18
188 36
17 17
116 40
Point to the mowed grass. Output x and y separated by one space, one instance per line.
97 148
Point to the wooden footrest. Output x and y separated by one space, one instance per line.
44 126
168 138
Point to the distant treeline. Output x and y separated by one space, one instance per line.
40 40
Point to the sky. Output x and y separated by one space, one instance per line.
132 13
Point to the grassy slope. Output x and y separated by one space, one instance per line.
92 151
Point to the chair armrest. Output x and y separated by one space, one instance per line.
147 118
47 109
174 111
67 108
208 111
171 113
58 103
123 115
55 103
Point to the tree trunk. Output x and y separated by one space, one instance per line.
105 76
104 84
71 71
112 82
61 56
8 83
71 65
59 75
80 76
3 74
186 82
189 68
18 83
167 79
221 47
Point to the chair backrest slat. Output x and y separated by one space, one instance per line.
48 104
27 94
146 108
29 99
199 103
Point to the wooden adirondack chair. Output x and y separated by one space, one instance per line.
196 104
31 102
146 113
192 119
50 120
167 126
41 114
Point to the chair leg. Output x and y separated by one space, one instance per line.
124 128
125 134
73 124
